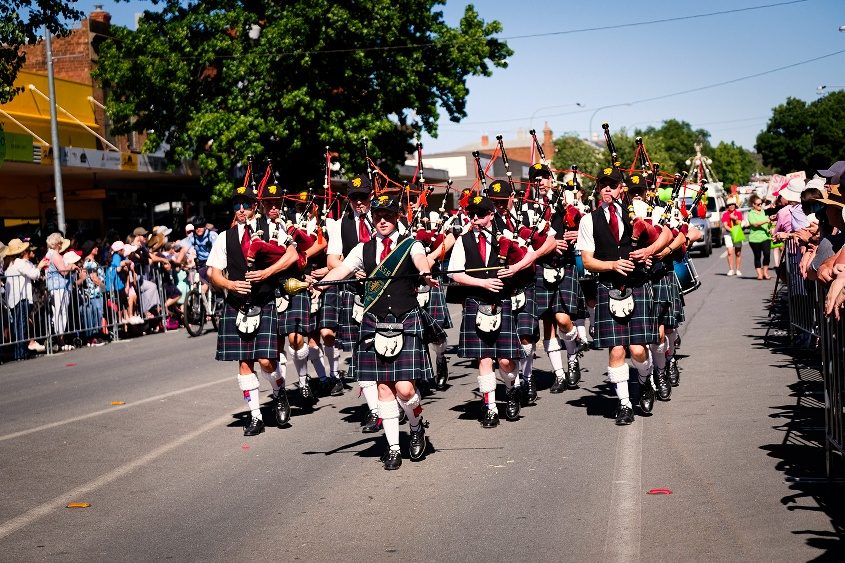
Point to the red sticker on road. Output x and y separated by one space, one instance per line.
660 492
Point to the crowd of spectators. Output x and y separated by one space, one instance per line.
78 291
812 221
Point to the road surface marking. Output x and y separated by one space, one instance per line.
622 540
82 491
112 409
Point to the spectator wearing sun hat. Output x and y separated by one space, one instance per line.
58 282
733 243
20 273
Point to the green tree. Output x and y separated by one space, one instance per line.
678 140
732 164
21 23
571 149
216 80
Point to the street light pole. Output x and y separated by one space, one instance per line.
54 136
590 129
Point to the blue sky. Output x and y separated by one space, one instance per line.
547 76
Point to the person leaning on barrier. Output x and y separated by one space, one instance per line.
20 273
58 283
92 279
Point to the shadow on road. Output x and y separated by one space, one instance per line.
801 454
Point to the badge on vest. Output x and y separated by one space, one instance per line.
489 318
621 303
389 339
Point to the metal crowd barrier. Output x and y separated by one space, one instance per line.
70 317
806 314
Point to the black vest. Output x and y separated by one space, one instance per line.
349 233
263 291
473 260
400 296
606 246
553 259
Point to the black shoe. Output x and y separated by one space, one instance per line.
442 374
393 460
255 427
490 418
530 390
512 410
560 385
337 390
624 416
573 374
282 408
418 442
674 372
661 380
646 396
372 424
307 393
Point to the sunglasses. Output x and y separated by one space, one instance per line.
359 197
478 214
237 206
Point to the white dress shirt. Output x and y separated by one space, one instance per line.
217 256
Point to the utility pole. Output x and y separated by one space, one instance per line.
54 136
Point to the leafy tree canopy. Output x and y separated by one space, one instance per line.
678 140
21 23
216 80
801 136
733 164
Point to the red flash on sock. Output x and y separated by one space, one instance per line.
417 410
246 395
280 382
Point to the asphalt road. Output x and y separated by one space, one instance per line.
169 475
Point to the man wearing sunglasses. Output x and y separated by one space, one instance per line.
257 287
604 239
355 227
392 312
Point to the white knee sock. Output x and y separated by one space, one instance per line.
272 378
487 388
658 354
439 349
315 356
282 370
508 378
370 391
389 413
412 409
569 341
249 385
619 377
581 328
331 359
643 368
526 365
553 350
300 363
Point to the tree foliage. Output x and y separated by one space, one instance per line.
801 136
571 149
317 73
678 140
733 164
21 23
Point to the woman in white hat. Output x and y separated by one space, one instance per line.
730 218
20 273
58 282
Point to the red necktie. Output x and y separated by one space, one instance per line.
386 250
613 223
245 241
482 248
363 232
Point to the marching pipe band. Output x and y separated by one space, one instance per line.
366 272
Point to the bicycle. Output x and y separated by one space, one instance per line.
200 305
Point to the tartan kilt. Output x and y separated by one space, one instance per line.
566 297
526 319
329 314
348 329
264 344
641 328
412 363
438 309
475 344
297 319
